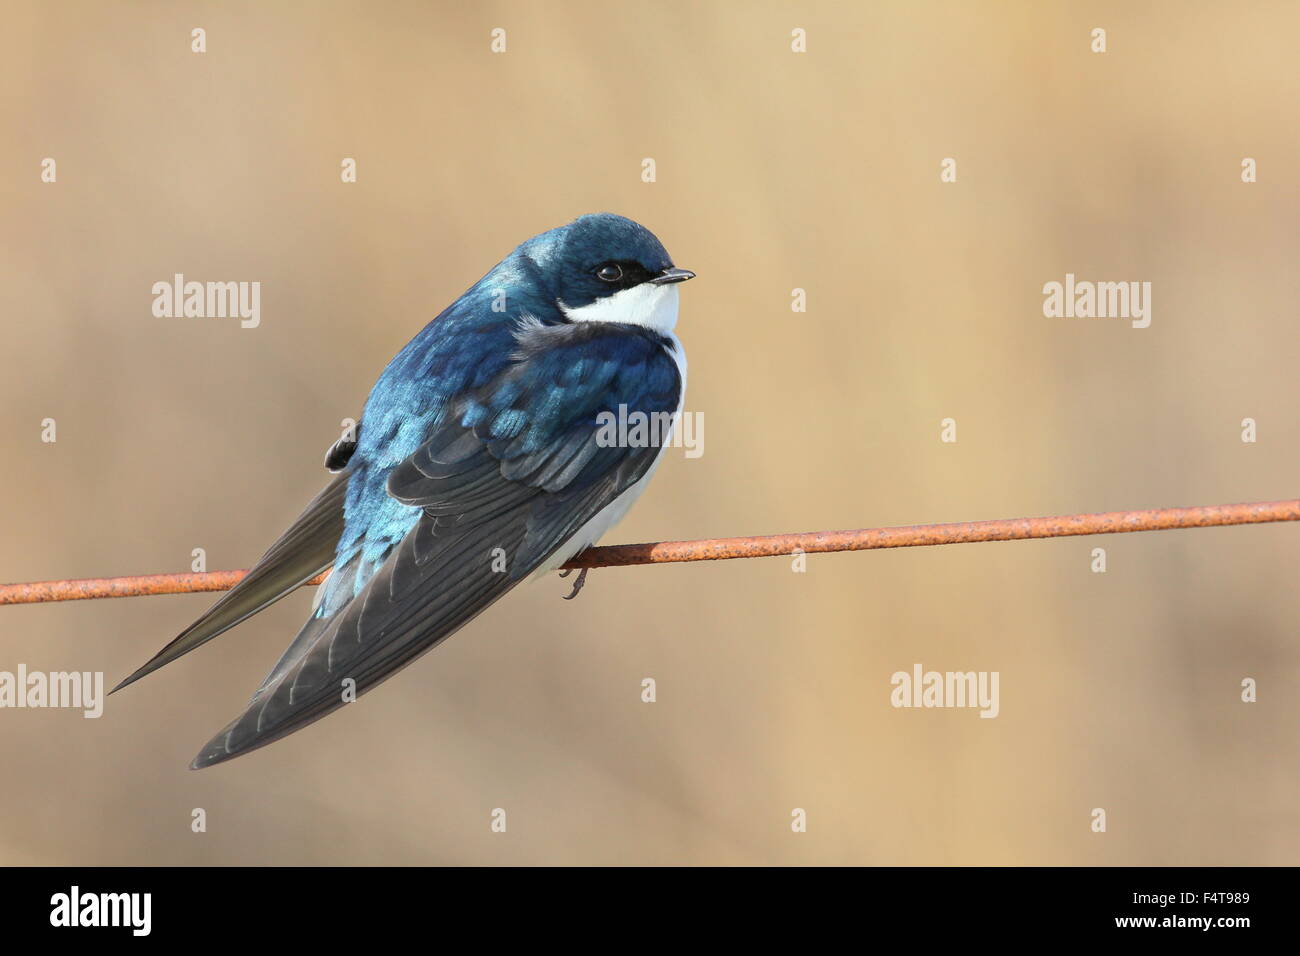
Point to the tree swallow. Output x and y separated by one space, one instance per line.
478 463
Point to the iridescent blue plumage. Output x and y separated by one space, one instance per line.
467 346
479 461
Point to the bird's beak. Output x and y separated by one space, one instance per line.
672 275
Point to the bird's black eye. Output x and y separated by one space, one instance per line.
610 272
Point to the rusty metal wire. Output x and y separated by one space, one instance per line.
763 546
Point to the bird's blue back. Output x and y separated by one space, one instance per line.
465 348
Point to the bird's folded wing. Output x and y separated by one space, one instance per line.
301 553
499 491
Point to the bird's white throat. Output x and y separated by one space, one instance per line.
651 306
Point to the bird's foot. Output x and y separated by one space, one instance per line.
577 585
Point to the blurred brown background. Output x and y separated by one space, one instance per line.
775 171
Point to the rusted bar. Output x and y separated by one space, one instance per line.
922 535
764 546
38 592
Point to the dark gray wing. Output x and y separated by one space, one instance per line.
301 553
499 494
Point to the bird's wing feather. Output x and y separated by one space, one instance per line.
519 465
302 552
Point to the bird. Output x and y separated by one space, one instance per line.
480 461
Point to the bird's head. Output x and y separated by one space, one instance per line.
604 267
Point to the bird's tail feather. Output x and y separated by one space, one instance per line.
301 553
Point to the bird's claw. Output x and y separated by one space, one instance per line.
577 585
